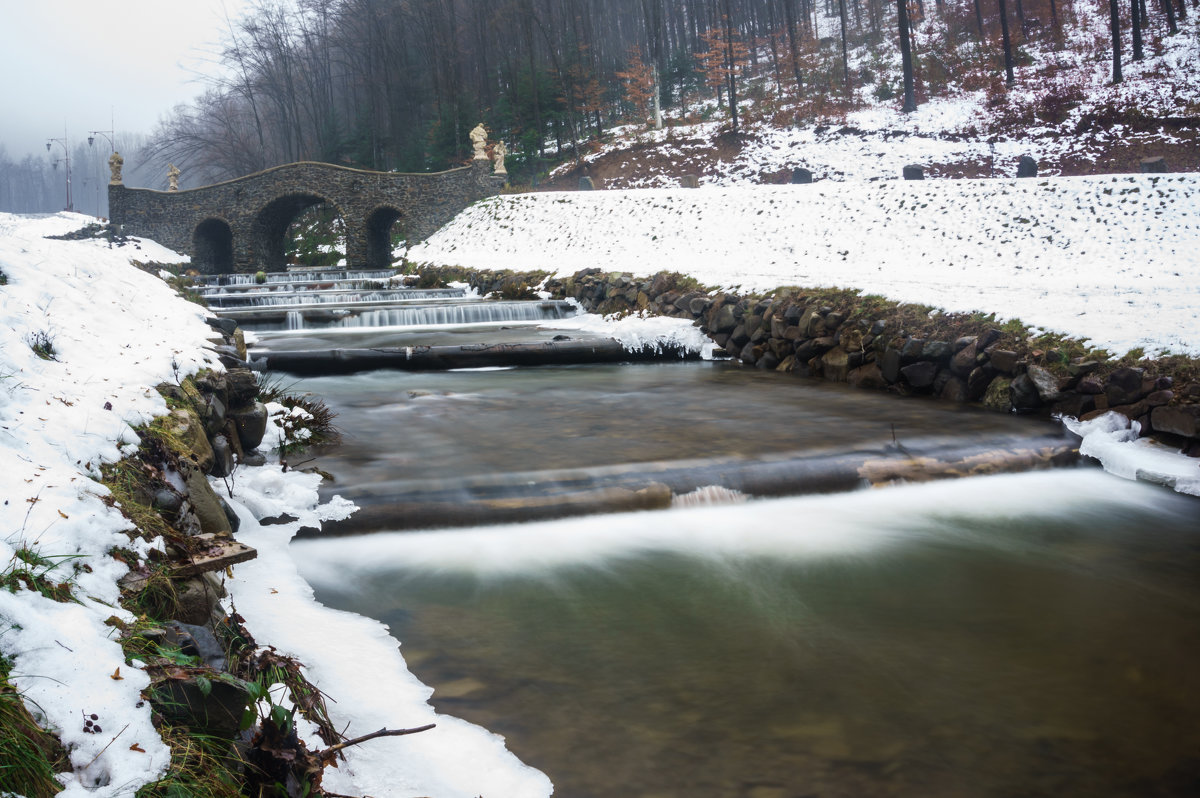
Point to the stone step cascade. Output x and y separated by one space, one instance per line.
323 299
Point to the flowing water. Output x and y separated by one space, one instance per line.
1028 634
1015 635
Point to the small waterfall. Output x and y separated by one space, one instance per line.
459 314
295 321
268 299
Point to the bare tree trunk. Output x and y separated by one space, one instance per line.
1114 15
910 98
1008 58
845 56
1136 20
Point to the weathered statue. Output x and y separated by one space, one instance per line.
498 153
115 161
479 141
172 177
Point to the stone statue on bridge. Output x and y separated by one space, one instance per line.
479 141
115 161
498 153
172 177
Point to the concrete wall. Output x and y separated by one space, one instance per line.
239 225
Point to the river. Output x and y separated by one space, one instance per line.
1029 634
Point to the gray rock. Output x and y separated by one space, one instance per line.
251 424
725 319
226 326
914 171
1003 360
800 175
586 184
963 362
935 350
1024 394
196 597
1178 419
206 506
222 457
1125 386
1045 382
1027 167
889 365
920 374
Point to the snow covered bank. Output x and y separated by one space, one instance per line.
1113 259
115 332
358 664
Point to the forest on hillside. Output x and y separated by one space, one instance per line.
397 84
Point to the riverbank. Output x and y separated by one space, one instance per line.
113 635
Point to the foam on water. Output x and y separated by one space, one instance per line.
804 528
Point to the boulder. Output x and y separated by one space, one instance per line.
725 319
205 504
955 390
935 350
914 171
1177 419
251 424
196 597
1003 360
1045 382
963 362
997 395
800 175
835 364
978 381
1023 393
868 376
1027 167
889 365
920 375
183 424
223 459
1125 386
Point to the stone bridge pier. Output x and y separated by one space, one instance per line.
241 224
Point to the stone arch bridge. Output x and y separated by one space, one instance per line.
239 225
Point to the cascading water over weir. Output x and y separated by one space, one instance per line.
374 312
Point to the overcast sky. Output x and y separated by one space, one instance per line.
71 66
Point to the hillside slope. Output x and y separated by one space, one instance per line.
1063 110
1114 259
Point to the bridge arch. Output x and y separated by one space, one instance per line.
271 223
250 215
212 246
378 235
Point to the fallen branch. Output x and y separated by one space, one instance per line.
333 749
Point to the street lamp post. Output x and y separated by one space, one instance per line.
66 157
108 134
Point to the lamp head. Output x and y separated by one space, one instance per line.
91 140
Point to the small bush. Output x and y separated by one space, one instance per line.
42 344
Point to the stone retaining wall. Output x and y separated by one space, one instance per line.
904 350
